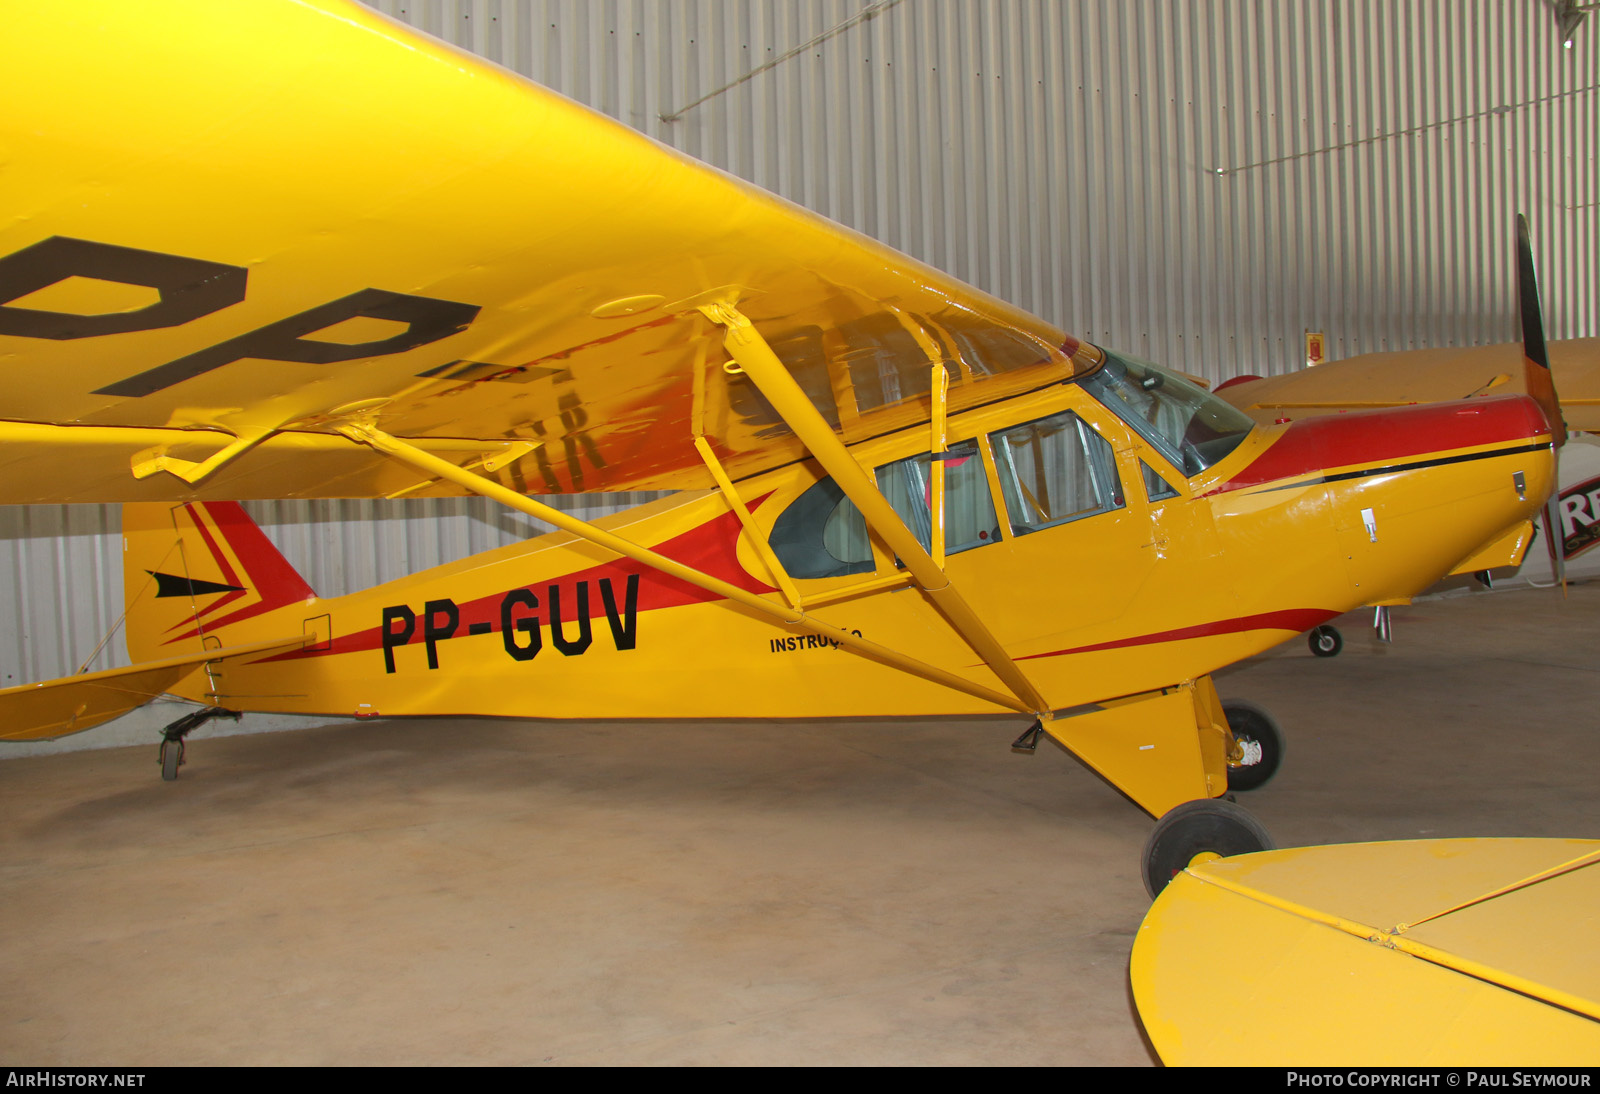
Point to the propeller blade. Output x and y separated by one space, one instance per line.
1541 386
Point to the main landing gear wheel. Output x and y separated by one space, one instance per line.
1325 641
1209 826
1259 739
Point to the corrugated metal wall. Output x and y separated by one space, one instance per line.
1194 182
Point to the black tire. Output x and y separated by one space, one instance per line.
171 759
1258 732
1325 641
1195 828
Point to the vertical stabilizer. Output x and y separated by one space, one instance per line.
200 575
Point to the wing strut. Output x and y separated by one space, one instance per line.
1394 938
753 355
368 434
779 575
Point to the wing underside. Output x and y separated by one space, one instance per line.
348 221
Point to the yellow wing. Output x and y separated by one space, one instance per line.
1424 376
1430 952
230 227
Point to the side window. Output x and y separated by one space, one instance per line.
969 519
906 485
1156 488
1053 471
822 534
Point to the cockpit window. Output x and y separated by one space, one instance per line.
1156 488
822 534
1192 427
1054 470
969 519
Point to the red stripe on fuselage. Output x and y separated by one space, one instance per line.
1315 445
1293 619
712 548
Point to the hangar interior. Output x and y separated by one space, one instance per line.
1202 185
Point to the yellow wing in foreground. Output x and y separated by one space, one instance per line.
1424 376
71 704
228 228
1425 953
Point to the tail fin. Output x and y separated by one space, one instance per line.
194 575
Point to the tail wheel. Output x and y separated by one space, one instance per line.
171 759
1260 743
1325 641
1206 827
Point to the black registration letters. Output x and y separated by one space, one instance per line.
189 287
427 320
392 637
434 632
528 625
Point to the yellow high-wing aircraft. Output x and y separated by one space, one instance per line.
293 250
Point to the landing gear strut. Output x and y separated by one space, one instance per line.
1210 828
172 744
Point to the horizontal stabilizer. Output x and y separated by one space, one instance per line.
71 704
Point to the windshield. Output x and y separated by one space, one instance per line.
1190 425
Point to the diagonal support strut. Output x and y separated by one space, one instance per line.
759 363
365 433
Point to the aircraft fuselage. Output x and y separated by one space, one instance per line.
1132 576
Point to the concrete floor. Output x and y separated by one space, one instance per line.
473 891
